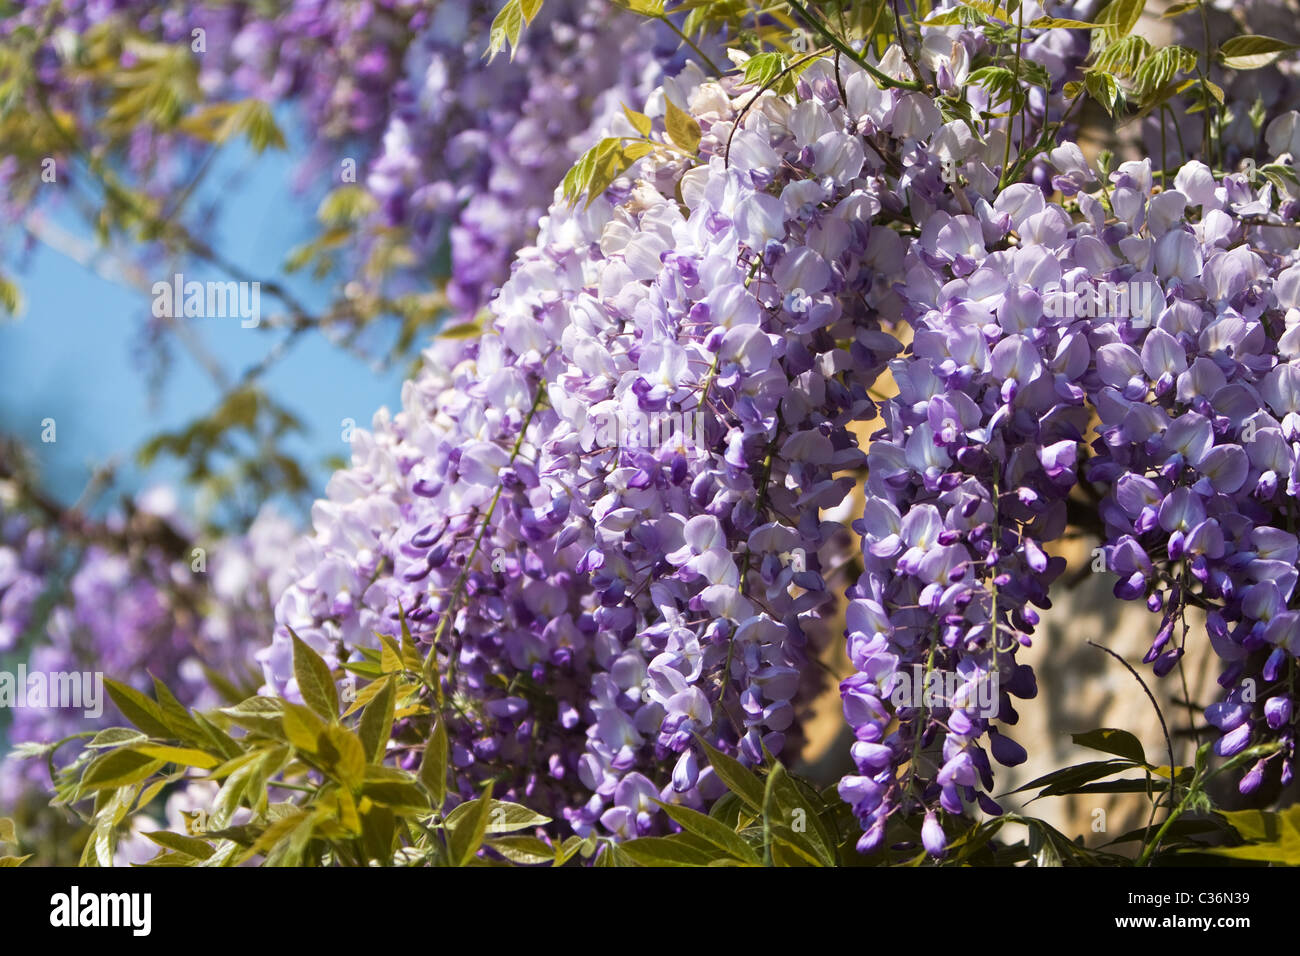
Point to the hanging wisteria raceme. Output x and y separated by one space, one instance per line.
1198 400
968 480
133 609
472 151
969 475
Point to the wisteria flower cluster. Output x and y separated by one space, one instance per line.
754 306
642 578
1197 442
472 151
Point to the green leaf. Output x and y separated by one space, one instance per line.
377 721
343 755
600 166
302 727
315 682
665 851
1120 17
1182 828
1257 825
401 795
525 850
249 780
1161 68
9 861
466 827
1103 88
287 829
971 11
11 299
345 205
613 855
462 330
508 24
763 68
1043 848
1108 740
1064 781
262 714
682 127
185 756
1000 83
506 817
255 120
7 834
945 18
565 851
640 122
1269 837
715 832
150 793
433 768
190 846
1281 176
118 768
789 850
739 780
116 737
1056 23
138 709
647 8
176 717
1252 52
786 809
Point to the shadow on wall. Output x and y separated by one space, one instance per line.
1081 688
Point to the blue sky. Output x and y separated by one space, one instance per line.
72 355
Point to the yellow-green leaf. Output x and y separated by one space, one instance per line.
525 850
377 720
466 827
682 127
1252 52
185 756
118 768
315 682
433 768
343 755
640 122
190 846
138 708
